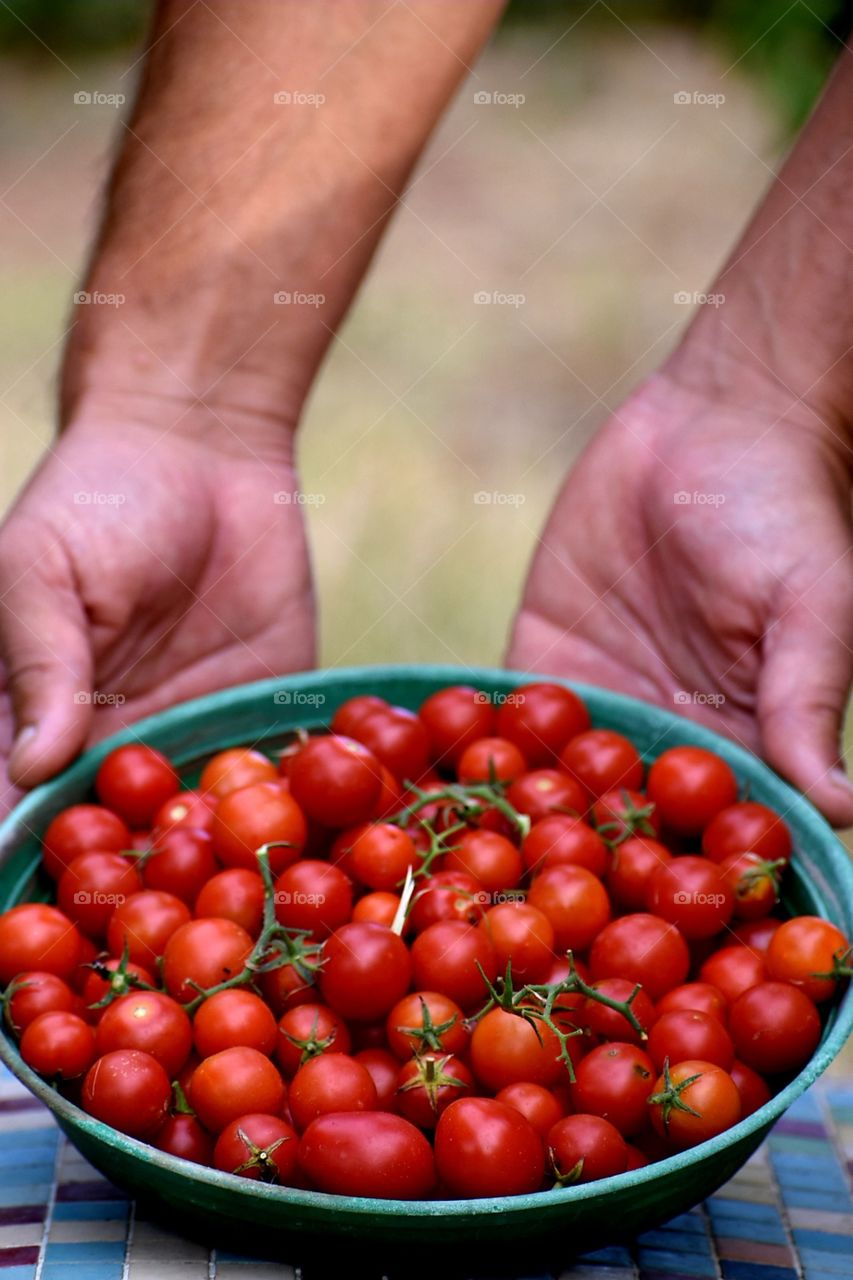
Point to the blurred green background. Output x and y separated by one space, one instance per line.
427 397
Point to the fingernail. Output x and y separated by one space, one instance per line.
24 739
841 778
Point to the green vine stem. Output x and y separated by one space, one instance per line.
488 794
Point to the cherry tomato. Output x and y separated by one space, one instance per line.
118 982
610 1024
522 936
183 1136
351 713
367 1153
623 813
747 826
733 970
540 1106
492 860
642 948
754 883
426 1020
234 1017
150 1021
264 1148
185 809
806 951
584 1148
58 1044
602 760
755 934
129 1090
236 894
35 936
313 895
262 813
380 856
635 861
689 786
335 780
574 901
91 888
448 956
34 992
506 1049
384 1068
687 1033
366 970
752 1088
84 828
693 894
561 840
701 996
306 1031
490 758
455 717
330 1082
234 1083
399 740
448 895
614 1082
134 781
427 1085
287 987
144 923
378 908
545 791
235 768
699 1101
203 953
540 719
484 1148
775 1027
181 862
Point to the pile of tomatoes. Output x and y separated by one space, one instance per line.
477 950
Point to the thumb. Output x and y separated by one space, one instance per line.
803 692
45 647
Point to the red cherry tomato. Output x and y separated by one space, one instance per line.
687 1033
380 856
775 1027
754 884
752 1088
134 781
427 1085
710 1103
574 901
693 894
129 1090
330 1082
264 1148
642 948
235 768
507 1049
181 862
484 1148
335 780
523 937
35 936
263 813
623 813
540 1106
689 786
185 809
807 951
602 760
313 895
351 713
203 953
744 826
701 996
150 1021
490 858
384 1069
367 1153
448 956
733 970
614 1082
234 1083
610 1024
182 1135
426 1020
84 828
58 1045
540 719
455 717
144 923
236 894
490 758
231 1018
34 992
561 840
634 862
448 895
306 1031
545 791
366 970
91 888
398 738
584 1148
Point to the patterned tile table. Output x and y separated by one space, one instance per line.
788 1214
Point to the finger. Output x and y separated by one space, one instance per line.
45 647
803 691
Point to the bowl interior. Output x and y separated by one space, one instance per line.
266 714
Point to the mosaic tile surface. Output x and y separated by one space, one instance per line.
787 1215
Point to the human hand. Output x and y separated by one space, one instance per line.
734 606
141 567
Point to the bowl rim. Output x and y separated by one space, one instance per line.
753 1126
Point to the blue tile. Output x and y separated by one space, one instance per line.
27 1273
756 1271
681 1263
835 1264
719 1206
26 1193
689 1242
87 1251
82 1271
99 1210
613 1256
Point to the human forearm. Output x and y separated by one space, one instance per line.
223 198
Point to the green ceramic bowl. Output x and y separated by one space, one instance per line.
289 1223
